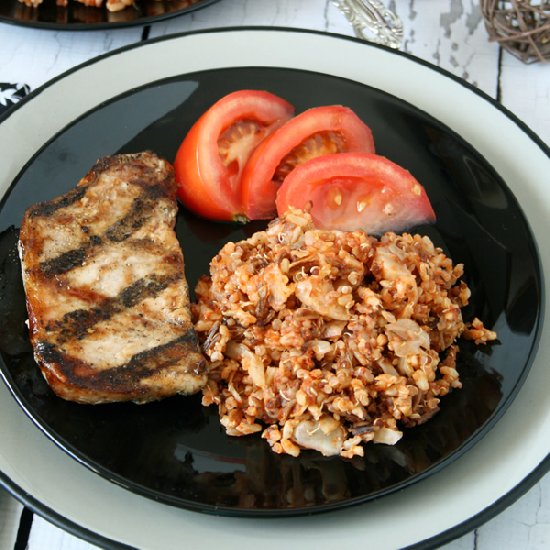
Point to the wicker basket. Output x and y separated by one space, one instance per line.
522 27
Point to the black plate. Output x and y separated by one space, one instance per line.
175 450
76 16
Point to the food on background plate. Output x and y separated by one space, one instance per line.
316 132
106 293
326 340
349 191
111 5
210 160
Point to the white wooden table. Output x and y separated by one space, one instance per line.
448 33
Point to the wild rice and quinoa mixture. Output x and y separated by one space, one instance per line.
325 339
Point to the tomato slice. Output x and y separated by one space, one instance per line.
210 160
317 131
352 191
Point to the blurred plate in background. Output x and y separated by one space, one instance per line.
76 16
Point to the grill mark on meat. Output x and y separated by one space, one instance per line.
77 323
47 209
123 378
155 191
166 354
144 288
65 262
120 231
134 220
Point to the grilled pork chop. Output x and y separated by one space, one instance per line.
106 292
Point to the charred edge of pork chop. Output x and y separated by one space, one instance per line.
149 168
158 365
176 366
48 208
149 164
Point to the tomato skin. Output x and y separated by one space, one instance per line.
205 184
192 191
350 191
259 188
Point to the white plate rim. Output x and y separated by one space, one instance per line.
531 476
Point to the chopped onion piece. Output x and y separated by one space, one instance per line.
313 435
387 436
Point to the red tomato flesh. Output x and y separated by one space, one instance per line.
315 132
210 160
352 191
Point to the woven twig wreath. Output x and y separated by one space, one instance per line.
520 26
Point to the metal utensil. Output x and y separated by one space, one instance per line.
372 21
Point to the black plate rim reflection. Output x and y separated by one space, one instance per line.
34 504
140 489
77 26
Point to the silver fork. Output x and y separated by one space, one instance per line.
372 21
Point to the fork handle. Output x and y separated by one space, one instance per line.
372 21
